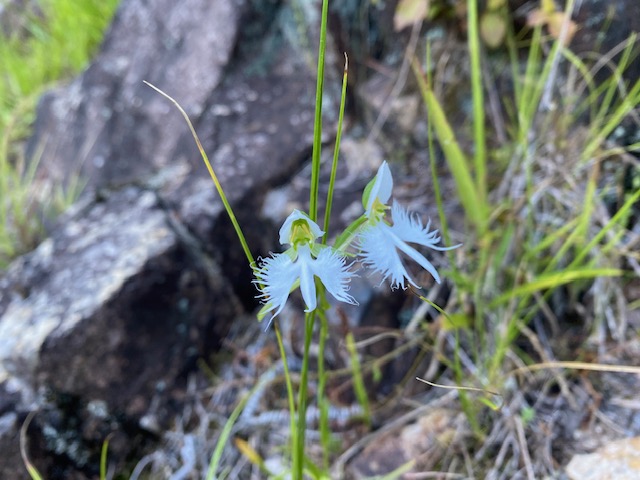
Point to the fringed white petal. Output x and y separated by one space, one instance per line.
333 272
275 279
415 256
410 229
378 250
278 274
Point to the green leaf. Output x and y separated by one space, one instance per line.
458 163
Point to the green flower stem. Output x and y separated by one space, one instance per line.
323 403
213 175
298 456
317 124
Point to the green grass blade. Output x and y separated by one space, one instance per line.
444 225
358 381
289 383
554 280
223 439
612 83
628 104
478 100
103 458
619 215
528 85
213 175
336 152
397 473
471 201
33 471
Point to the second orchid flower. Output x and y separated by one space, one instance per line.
380 243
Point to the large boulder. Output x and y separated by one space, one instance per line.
113 309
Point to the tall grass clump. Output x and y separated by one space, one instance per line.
50 41
542 235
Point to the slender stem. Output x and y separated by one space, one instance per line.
103 457
225 434
317 124
323 404
290 398
309 321
358 381
213 175
478 101
336 152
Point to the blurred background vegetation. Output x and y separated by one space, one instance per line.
42 43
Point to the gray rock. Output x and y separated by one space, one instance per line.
113 308
181 48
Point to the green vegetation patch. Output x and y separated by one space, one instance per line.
41 43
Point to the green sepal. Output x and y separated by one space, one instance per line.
349 233
367 192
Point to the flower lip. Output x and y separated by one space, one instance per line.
278 274
381 188
294 226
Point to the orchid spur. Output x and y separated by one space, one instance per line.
380 242
278 274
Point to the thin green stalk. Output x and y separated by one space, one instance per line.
317 124
290 394
621 213
513 51
554 280
33 471
444 225
465 403
628 103
336 152
103 458
613 82
213 175
358 382
478 99
298 456
525 92
225 434
323 403
223 439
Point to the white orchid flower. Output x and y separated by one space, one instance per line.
278 275
380 242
